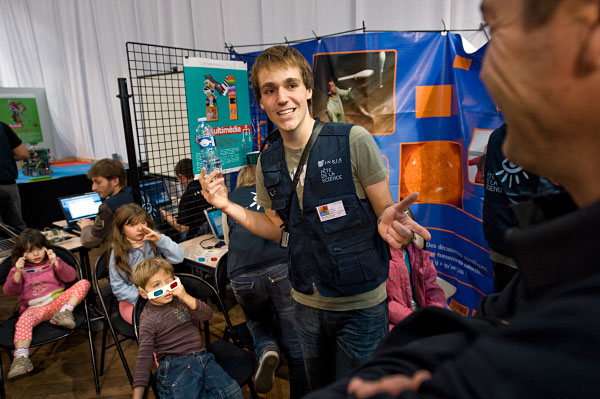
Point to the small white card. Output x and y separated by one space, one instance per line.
331 211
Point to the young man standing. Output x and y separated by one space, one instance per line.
108 178
338 261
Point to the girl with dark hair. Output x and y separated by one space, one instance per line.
133 240
38 279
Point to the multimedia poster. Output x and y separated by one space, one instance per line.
218 91
21 114
420 96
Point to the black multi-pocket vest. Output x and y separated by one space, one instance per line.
343 256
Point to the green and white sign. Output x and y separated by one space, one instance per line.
218 91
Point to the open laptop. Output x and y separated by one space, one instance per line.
157 192
215 221
80 206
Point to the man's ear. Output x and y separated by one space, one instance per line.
142 293
591 49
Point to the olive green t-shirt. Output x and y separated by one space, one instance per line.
367 169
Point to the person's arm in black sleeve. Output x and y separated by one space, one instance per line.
543 352
19 150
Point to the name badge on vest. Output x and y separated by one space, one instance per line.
330 211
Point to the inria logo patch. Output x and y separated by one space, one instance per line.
328 174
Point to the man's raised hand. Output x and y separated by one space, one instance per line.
396 227
214 189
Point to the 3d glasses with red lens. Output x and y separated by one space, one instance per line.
157 293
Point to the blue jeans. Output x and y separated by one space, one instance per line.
336 342
265 297
195 376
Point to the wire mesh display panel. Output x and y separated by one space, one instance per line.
162 136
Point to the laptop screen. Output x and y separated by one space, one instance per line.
82 206
156 191
215 220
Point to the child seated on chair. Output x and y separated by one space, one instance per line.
38 279
412 282
167 329
134 239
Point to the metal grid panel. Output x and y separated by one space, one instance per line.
161 121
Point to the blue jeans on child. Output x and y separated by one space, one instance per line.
195 376
265 297
336 342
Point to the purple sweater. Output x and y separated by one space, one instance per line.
168 330
41 286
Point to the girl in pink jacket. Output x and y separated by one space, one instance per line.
38 279
411 283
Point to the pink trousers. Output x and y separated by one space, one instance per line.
31 317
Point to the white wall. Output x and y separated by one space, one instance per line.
75 49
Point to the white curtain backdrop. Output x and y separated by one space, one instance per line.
75 49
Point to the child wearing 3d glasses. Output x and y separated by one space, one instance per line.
167 329
39 279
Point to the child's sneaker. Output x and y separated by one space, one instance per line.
64 319
21 365
267 364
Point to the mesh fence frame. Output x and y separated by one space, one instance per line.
161 131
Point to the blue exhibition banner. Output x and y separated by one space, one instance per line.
218 90
420 96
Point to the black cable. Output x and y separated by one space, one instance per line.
219 243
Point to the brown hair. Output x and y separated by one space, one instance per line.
184 167
278 57
247 176
28 240
145 269
127 214
109 169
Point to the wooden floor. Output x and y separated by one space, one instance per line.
63 369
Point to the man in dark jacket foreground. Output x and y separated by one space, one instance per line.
540 337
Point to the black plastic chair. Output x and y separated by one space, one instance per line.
46 332
242 333
113 320
237 362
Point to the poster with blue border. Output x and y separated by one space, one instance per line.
420 96
218 91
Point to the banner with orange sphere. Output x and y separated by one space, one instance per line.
420 96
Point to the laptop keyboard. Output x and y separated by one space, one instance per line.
6 246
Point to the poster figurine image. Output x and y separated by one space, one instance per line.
229 82
216 84
212 113
17 108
